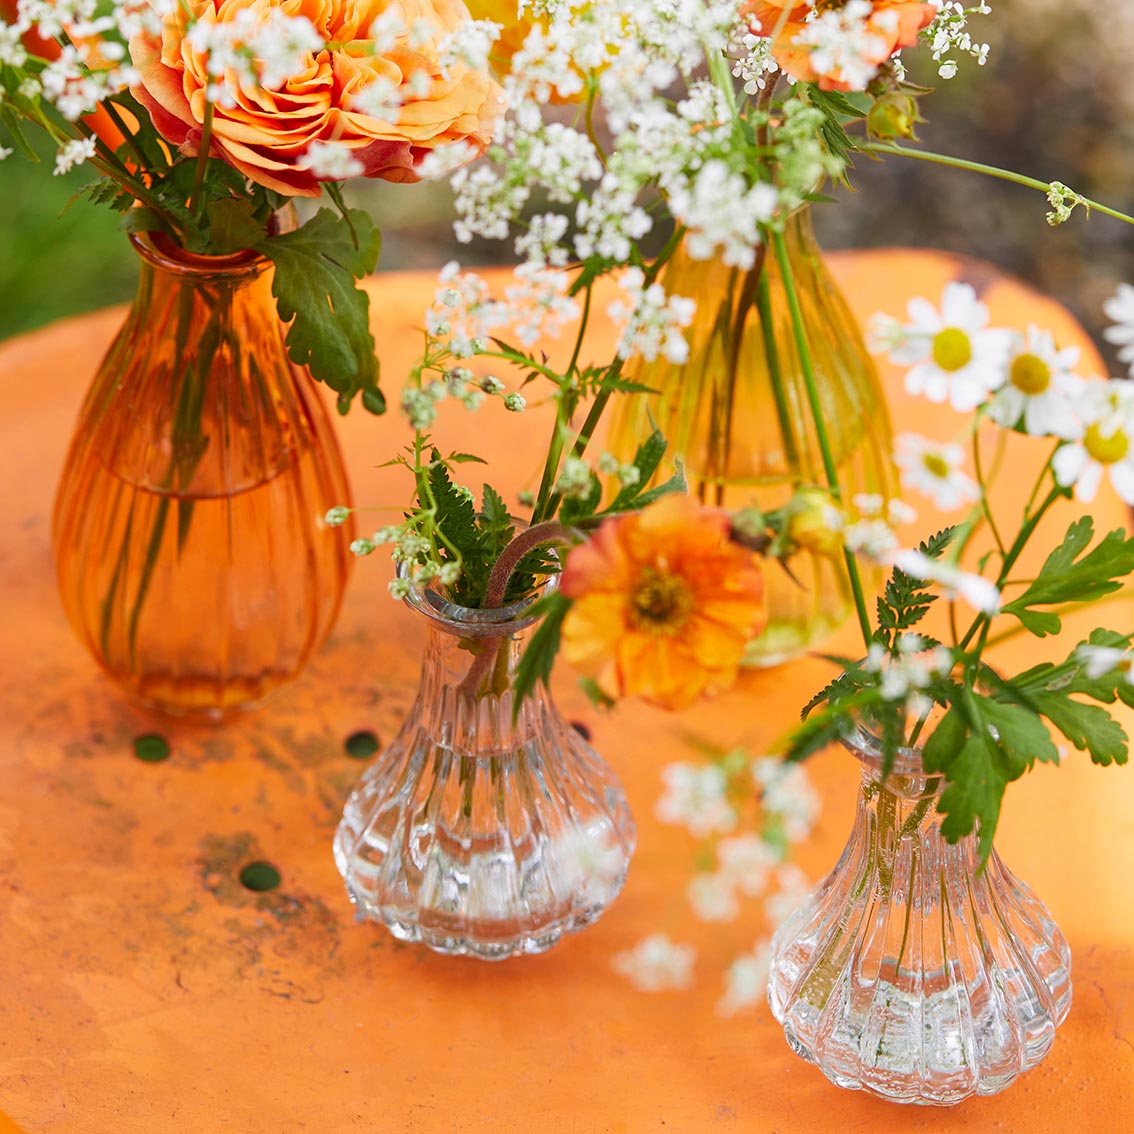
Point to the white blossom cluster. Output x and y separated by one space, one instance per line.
949 36
93 63
628 57
252 50
749 865
908 671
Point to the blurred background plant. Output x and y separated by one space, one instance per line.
1054 102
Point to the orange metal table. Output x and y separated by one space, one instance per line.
144 991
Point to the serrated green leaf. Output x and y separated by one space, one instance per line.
233 226
314 285
1090 728
1020 733
946 741
977 777
538 659
1071 573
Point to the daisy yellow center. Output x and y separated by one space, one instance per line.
952 349
1106 450
937 465
1030 374
660 603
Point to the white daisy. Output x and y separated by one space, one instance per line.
976 590
1120 308
934 470
1041 388
1105 445
953 354
657 964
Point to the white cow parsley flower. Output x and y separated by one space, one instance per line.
652 322
713 897
330 161
657 964
74 153
746 981
696 797
747 861
934 470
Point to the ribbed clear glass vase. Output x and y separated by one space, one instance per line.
908 972
191 550
475 833
737 414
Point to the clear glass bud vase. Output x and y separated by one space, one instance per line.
738 416
192 556
910 973
482 831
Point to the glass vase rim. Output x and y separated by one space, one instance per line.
865 746
161 251
473 622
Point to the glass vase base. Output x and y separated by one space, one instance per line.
445 918
199 701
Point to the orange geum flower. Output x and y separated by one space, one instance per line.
664 603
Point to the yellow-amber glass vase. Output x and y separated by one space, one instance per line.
738 416
193 557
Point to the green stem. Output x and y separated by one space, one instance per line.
829 467
985 506
989 171
772 358
982 622
202 159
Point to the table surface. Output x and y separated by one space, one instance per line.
142 989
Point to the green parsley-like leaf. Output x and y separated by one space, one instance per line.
539 658
1073 574
316 269
233 225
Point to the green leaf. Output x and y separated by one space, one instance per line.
977 777
456 516
539 658
1090 728
316 269
946 741
906 600
233 226
1073 574
1020 733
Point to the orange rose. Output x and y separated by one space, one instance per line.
893 24
665 603
265 133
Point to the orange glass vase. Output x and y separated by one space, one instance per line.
192 553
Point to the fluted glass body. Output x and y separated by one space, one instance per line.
909 972
473 832
738 416
192 555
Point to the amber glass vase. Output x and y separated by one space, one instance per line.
738 416
192 554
